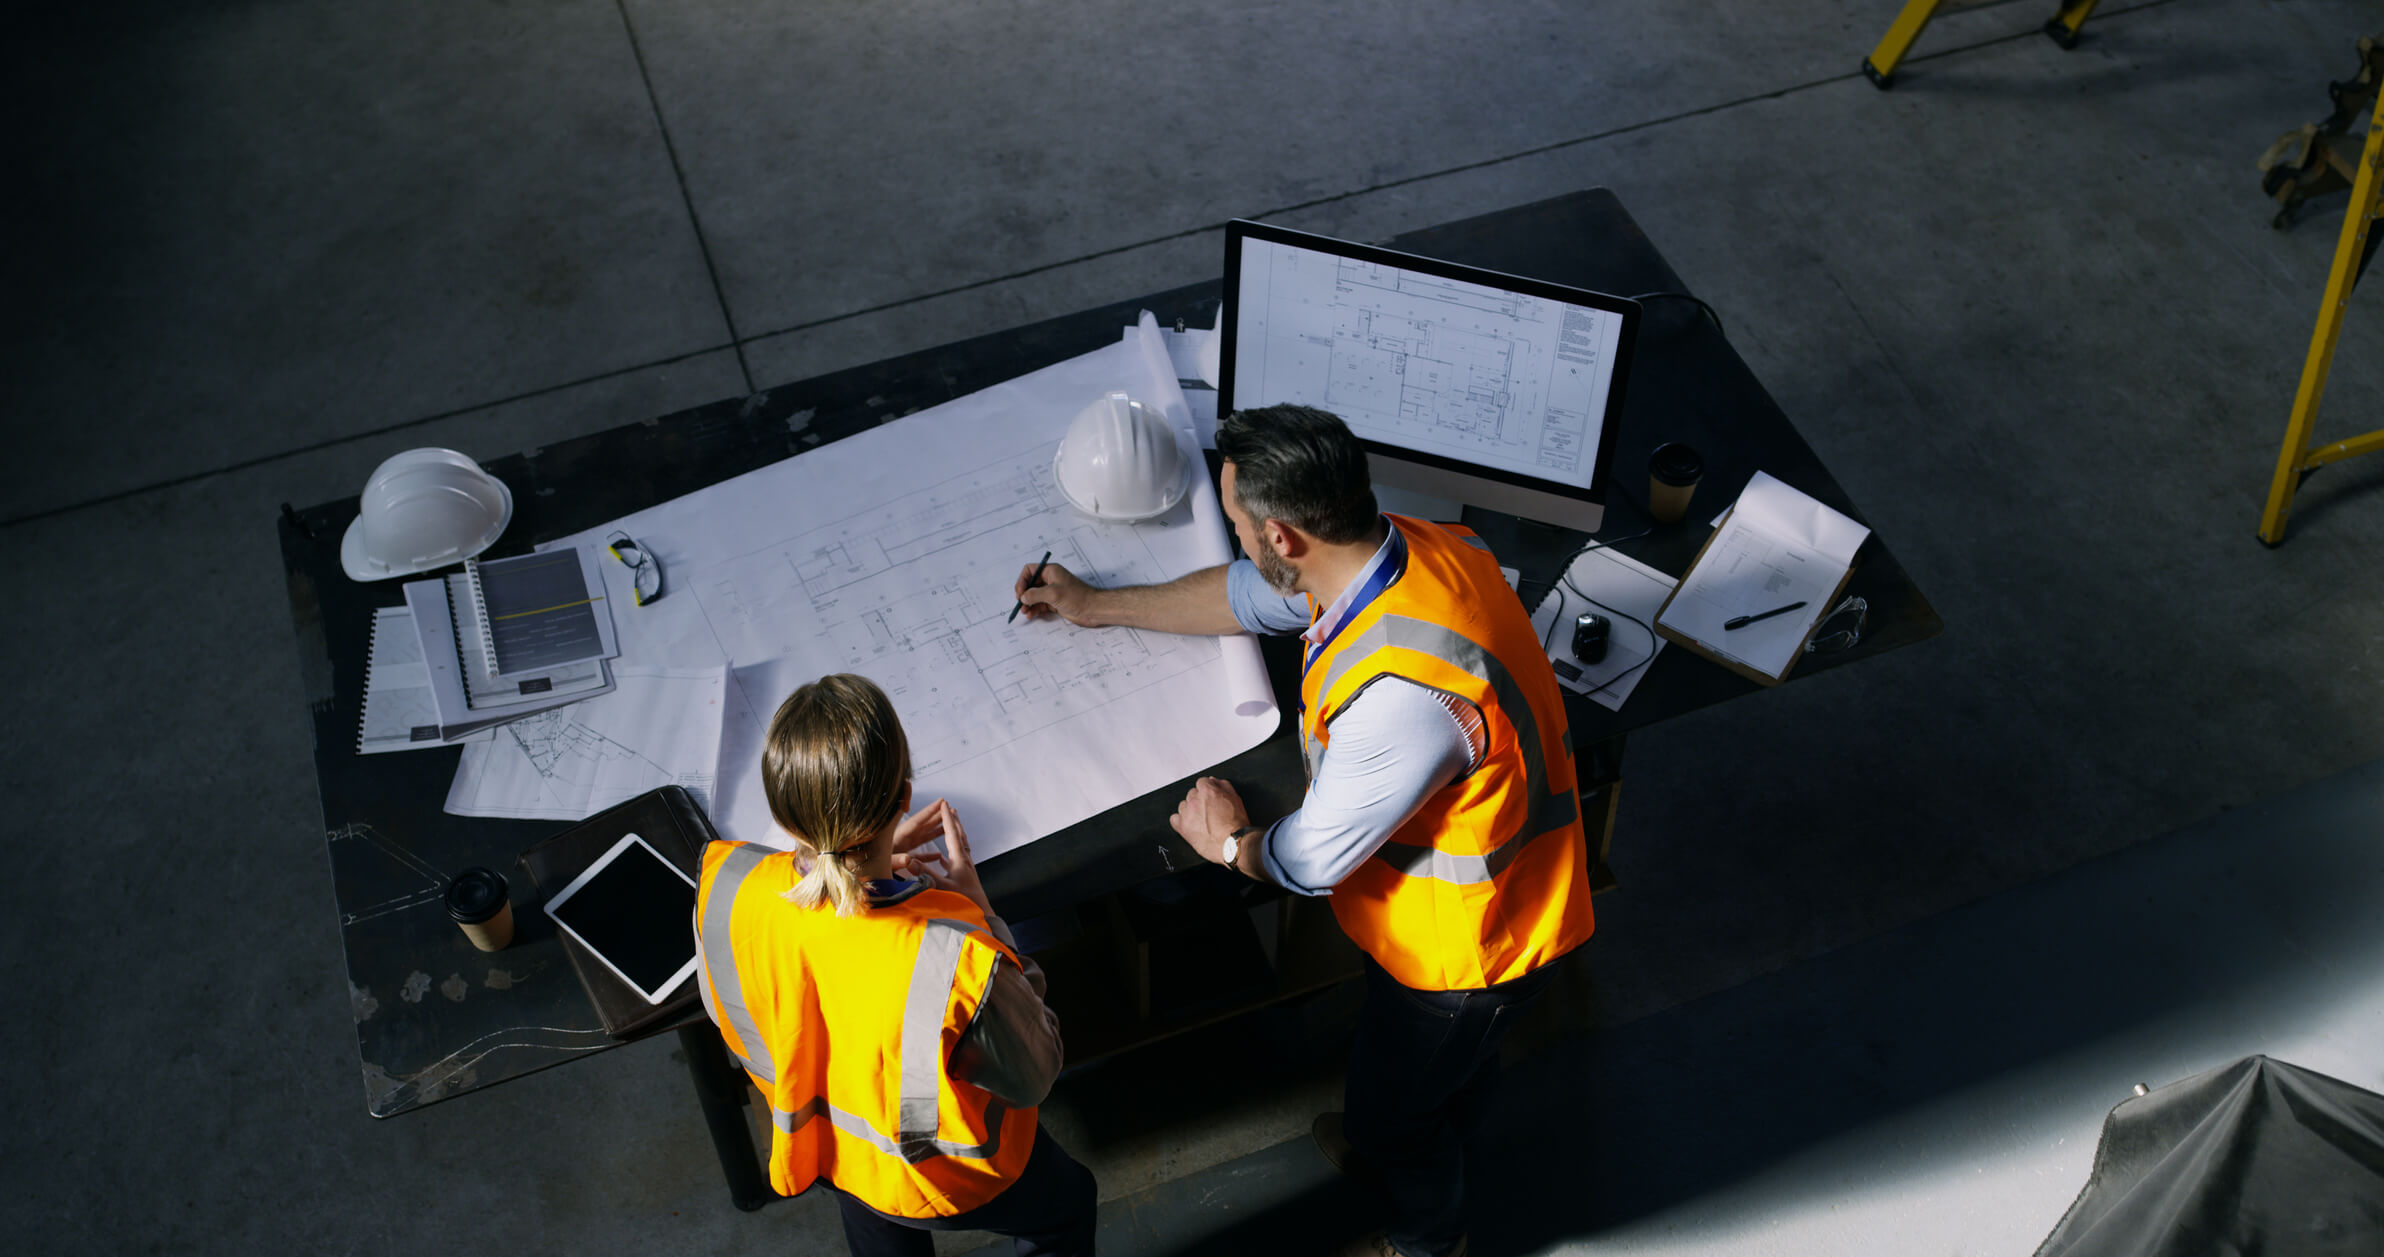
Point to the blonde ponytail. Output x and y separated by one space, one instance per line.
831 880
835 767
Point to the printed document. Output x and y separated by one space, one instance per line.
1775 547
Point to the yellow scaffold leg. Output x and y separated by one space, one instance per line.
2062 27
1880 66
2296 460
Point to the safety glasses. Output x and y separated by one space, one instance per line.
645 571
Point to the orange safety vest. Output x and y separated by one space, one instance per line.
1490 880
846 1025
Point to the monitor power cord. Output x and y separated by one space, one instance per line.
1685 296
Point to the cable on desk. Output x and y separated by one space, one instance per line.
1686 296
1567 565
1564 580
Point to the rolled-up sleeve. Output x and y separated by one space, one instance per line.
1258 607
1392 746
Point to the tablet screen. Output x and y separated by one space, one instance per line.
636 911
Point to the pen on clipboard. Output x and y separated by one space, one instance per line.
1741 621
1037 579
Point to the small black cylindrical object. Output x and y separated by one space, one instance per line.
475 895
1677 464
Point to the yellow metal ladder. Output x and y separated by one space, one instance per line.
2351 252
1880 66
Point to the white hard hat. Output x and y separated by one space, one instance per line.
1121 462
423 509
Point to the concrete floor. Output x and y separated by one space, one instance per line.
2027 306
1936 1089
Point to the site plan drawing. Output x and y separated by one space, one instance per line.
893 554
659 727
1438 365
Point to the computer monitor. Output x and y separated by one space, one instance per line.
1461 383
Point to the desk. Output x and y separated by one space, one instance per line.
435 1019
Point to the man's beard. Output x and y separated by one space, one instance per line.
1280 576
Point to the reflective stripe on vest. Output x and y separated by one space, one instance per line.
913 1152
726 997
1548 810
923 1038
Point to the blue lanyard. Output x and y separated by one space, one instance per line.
1393 566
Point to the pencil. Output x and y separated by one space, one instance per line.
1741 621
1037 579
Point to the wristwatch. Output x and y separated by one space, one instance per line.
1233 844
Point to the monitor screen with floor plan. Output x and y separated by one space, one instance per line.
1462 383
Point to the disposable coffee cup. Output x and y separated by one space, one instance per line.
1672 476
476 900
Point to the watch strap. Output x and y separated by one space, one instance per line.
1234 840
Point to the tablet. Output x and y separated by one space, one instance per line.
635 912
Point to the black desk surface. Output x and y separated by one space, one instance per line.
435 1018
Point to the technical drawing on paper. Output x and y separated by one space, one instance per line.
659 727
570 756
915 593
1481 373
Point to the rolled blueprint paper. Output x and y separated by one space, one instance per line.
1246 678
1245 670
1158 387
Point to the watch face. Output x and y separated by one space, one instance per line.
1233 848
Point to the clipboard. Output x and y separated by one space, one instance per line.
1696 647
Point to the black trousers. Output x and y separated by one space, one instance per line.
1049 1211
1417 1074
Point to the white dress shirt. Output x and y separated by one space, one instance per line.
1392 745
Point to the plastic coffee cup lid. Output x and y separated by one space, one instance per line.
1676 464
475 895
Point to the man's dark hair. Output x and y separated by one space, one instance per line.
1300 465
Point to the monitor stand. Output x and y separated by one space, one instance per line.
1442 489
1414 505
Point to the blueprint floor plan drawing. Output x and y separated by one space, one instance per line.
1475 373
893 553
916 593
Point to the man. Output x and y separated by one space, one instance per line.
1441 815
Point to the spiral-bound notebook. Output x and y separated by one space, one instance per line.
456 632
536 612
400 713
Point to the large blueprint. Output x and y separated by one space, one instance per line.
893 553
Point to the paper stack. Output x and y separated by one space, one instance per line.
493 643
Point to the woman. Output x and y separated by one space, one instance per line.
877 1000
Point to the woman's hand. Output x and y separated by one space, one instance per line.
954 869
919 828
